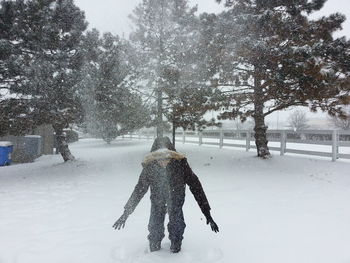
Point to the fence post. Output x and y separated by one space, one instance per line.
123 136
247 142
334 145
221 143
283 142
184 136
200 140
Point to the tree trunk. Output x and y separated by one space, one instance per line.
62 144
159 114
174 129
261 137
259 118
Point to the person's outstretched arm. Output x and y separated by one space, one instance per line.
197 190
139 191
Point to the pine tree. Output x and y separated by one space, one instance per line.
46 36
343 122
13 111
165 38
271 56
111 108
9 70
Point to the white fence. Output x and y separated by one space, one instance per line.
327 143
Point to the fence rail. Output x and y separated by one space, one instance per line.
326 143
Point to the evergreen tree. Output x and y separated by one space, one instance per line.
9 69
343 122
271 56
13 110
111 108
46 36
165 38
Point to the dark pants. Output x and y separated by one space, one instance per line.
176 225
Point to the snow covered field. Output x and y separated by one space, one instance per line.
283 210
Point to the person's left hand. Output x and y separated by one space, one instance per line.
120 223
213 225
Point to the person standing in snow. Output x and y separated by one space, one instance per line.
166 172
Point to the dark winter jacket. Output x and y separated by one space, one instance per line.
167 172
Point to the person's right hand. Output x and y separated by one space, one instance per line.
120 223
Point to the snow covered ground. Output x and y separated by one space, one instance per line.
283 210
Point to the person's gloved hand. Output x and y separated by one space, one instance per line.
213 225
120 223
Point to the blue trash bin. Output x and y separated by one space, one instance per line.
6 149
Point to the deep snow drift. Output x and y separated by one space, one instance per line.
286 209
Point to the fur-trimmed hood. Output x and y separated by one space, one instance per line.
162 155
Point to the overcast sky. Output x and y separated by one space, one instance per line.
112 15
